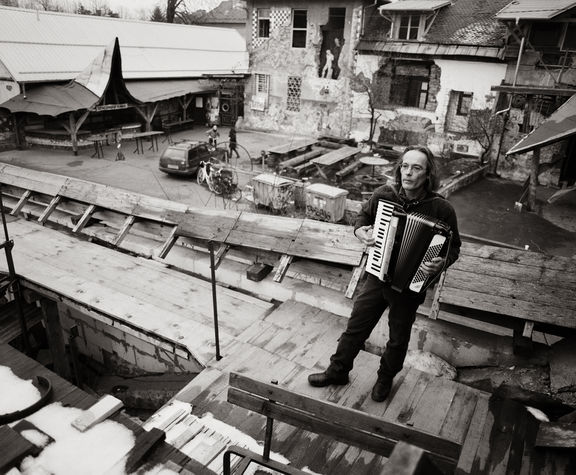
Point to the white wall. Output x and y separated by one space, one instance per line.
467 76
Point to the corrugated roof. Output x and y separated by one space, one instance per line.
157 90
49 46
414 5
535 9
560 125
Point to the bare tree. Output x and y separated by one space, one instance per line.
362 84
172 9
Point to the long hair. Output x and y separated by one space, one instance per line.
432 180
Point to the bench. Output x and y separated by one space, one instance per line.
515 289
427 454
170 125
336 156
292 146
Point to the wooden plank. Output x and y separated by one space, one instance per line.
211 225
21 202
51 207
14 448
285 261
409 460
528 329
271 233
435 307
84 219
335 156
556 435
292 146
169 243
219 255
473 436
562 317
98 412
40 182
357 274
241 386
327 242
128 222
459 415
292 162
103 196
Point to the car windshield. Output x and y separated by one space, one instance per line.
201 153
175 154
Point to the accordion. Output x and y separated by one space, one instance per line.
402 242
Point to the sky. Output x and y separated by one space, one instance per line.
135 7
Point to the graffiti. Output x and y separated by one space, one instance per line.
317 213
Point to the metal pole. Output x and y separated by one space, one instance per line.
214 300
14 283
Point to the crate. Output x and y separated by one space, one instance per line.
325 203
272 191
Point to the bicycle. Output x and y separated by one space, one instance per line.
220 180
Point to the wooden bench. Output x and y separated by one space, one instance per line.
431 454
515 289
291 147
336 156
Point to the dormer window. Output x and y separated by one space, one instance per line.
411 19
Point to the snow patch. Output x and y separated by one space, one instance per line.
22 392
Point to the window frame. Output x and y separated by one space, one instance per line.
459 109
410 27
296 12
261 21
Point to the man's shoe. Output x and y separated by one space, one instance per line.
381 389
321 380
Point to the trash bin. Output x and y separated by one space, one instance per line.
325 203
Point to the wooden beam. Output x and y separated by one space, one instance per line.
128 222
285 261
356 276
55 337
435 308
21 202
172 238
84 219
528 329
98 412
51 207
557 436
345 424
220 253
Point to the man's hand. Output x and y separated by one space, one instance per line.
432 267
364 233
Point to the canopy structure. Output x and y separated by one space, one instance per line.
535 9
560 125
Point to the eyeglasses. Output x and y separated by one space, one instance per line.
405 167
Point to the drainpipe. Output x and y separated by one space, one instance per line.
507 111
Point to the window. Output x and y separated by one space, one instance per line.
410 91
261 83
464 103
569 41
261 88
408 27
337 18
293 94
299 28
545 35
263 23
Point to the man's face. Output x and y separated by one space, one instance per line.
413 170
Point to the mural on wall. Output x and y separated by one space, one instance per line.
332 43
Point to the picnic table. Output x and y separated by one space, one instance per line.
139 137
335 156
292 146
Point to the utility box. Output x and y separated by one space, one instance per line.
325 203
272 191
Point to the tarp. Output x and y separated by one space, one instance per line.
158 90
52 100
560 125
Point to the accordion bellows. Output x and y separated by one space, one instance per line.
402 242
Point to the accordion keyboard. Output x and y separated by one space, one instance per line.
376 263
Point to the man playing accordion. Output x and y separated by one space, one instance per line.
414 192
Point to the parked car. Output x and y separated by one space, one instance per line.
183 158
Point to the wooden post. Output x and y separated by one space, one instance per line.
533 180
55 338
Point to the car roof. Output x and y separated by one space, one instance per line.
185 145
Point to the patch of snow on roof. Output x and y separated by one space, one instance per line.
95 451
17 393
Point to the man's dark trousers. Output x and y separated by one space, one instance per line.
373 299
